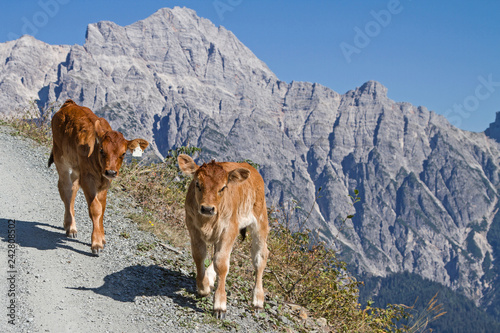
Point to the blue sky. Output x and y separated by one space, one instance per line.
444 55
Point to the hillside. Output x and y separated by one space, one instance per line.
462 316
57 285
429 191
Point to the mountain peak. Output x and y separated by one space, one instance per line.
370 89
173 15
373 88
177 10
164 19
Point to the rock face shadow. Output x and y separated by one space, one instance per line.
41 236
153 280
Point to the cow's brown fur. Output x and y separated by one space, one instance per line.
223 199
87 153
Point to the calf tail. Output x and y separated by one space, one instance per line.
51 159
243 233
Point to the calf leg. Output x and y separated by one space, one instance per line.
259 259
221 265
68 186
95 212
102 199
205 278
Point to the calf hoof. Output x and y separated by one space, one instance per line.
203 293
258 309
71 234
97 249
219 314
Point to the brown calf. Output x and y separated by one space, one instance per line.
87 153
222 200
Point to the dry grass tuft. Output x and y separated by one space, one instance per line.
33 123
159 189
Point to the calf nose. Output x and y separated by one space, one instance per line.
110 173
207 210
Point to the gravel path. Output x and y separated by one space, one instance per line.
60 287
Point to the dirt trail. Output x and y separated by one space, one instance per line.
50 267
60 287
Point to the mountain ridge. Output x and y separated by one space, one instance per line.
177 79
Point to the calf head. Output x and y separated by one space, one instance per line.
210 182
112 148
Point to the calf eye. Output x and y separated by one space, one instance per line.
123 155
198 185
222 189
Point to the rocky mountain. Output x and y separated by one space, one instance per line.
429 191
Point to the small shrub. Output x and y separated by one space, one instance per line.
125 235
252 163
34 123
145 246
160 190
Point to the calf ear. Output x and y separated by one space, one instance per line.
98 129
238 175
137 143
186 164
98 132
